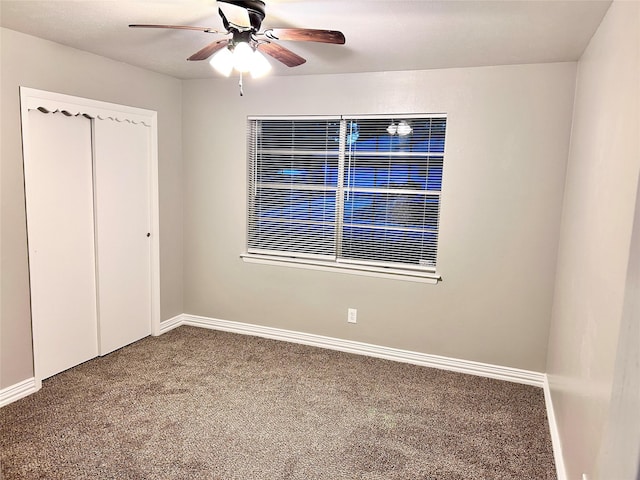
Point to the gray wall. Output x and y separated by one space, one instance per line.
599 204
507 145
620 449
32 62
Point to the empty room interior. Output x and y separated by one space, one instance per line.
411 249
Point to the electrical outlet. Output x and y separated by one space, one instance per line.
352 315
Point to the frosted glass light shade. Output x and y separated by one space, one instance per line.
242 57
404 128
222 62
260 66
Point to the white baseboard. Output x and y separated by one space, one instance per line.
423 359
555 433
18 391
171 323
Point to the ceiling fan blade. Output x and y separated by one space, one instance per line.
177 27
305 35
281 54
209 50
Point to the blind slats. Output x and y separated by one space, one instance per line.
358 190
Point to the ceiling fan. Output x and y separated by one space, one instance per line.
242 20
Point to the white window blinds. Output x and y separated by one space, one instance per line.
293 182
360 190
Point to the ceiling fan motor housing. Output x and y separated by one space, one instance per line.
255 10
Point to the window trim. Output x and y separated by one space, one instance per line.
336 264
343 267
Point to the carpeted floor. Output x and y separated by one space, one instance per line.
201 404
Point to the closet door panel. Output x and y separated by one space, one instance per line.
59 200
121 183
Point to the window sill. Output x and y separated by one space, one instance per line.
380 272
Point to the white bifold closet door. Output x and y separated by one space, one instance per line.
121 164
88 184
61 239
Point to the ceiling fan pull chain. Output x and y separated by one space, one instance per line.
240 85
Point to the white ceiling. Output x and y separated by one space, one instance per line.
382 35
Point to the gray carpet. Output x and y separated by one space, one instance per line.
201 404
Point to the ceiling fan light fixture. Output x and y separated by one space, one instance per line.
404 128
242 57
242 21
223 62
260 66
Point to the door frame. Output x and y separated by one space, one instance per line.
32 99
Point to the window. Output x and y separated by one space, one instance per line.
344 192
